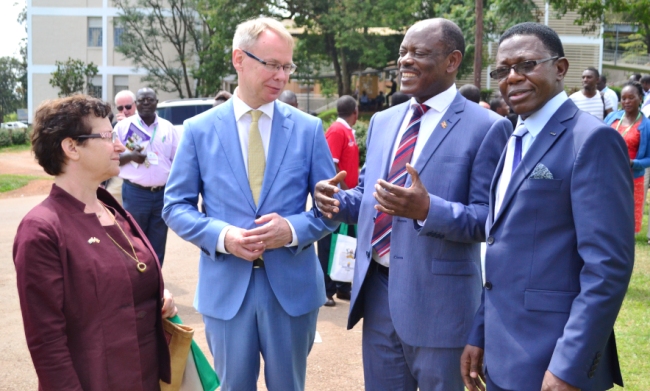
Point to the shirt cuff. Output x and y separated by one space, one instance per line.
294 238
221 242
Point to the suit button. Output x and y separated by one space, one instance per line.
490 240
488 285
367 254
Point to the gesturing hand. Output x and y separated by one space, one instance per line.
236 244
411 202
324 194
554 383
274 232
471 368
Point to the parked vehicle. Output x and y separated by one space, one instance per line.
178 110
13 125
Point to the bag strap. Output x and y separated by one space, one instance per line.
343 229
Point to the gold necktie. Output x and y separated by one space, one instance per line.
256 158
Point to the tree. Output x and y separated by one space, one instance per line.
73 76
593 13
10 95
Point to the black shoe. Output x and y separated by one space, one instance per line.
343 295
330 302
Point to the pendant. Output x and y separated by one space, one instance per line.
146 163
141 267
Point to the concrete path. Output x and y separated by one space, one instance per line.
334 364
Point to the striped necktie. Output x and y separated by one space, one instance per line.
256 158
397 176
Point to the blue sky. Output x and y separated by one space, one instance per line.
11 32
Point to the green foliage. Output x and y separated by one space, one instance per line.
593 13
73 76
328 116
486 94
5 138
11 95
13 182
11 117
361 135
19 136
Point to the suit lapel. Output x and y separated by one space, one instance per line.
226 128
493 187
450 118
281 130
552 131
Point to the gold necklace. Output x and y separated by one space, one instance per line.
141 266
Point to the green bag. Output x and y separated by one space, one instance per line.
341 260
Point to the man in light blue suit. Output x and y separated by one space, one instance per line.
560 246
253 161
417 278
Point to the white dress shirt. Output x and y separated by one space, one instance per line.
244 119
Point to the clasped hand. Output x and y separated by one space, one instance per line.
273 232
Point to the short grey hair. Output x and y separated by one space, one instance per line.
124 93
247 32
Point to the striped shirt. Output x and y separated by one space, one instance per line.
593 105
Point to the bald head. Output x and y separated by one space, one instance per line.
289 98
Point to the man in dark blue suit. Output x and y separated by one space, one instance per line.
560 234
417 277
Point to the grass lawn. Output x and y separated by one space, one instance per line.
633 324
16 148
13 182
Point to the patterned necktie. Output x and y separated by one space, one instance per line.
256 158
397 176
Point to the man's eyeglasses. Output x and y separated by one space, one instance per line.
105 135
521 68
272 66
128 107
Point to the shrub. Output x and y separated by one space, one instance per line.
19 136
328 116
5 138
361 134
486 94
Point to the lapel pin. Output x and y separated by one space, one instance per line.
444 124
93 240
553 133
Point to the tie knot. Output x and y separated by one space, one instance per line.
419 109
520 131
256 114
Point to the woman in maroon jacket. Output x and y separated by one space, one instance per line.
90 287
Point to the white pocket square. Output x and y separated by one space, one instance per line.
541 172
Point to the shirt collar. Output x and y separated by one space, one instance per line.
142 123
439 102
344 122
536 121
242 108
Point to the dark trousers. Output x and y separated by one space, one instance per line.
146 208
331 287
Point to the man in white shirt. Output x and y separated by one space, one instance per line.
607 92
589 98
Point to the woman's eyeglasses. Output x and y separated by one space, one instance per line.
128 107
105 135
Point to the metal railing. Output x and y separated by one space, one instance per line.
619 57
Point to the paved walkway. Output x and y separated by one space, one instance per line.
334 364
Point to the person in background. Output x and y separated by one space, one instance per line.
125 105
560 234
151 144
471 93
635 130
645 84
345 153
289 97
499 106
607 92
91 290
635 77
589 98
398 98
364 102
380 100
221 97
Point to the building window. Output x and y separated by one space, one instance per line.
95 32
117 36
120 83
95 87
